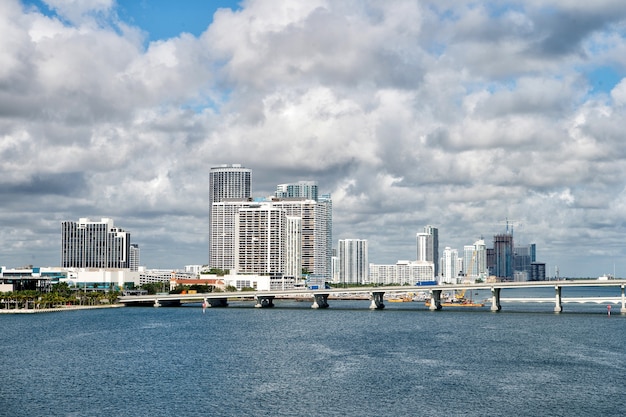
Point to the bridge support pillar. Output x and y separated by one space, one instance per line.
435 300
623 309
377 300
217 302
558 307
320 301
495 299
264 301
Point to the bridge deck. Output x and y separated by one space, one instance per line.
362 292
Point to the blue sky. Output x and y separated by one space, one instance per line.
164 19
411 113
604 78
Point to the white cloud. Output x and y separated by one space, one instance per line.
76 11
448 113
619 93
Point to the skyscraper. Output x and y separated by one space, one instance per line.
475 261
523 257
226 182
94 244
450 265
316 233
428 246
223 231
260 240
134 259
303 189
353 261
293 247
503 255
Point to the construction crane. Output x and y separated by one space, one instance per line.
510 223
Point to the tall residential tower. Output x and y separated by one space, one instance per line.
353 261
227 182
428 246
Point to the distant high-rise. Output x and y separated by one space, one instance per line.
450 265
475 260
428 246
503 255
301 189
226 182
94 244
353 261
524 256
537 271
134 260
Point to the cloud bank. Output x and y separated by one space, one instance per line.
457 114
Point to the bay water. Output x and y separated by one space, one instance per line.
294 361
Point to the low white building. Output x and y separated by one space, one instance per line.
29 278
102 278
259 282
403 272
193 269
164 276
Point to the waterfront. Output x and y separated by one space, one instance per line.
291 360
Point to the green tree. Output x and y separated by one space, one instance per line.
201 288
62 288
152 287
216 271
113 296
94 297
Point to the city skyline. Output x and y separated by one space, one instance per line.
409 112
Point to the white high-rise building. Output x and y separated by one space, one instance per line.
324 246
424 243
94 244
316 229
223 232
309 222
428 246
227 182
449 265
353 261
475 261
293 247
260 240
335 269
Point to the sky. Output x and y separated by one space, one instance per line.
458 114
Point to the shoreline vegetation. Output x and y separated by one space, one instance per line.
60 297
56 309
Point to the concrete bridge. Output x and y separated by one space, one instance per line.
375 294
